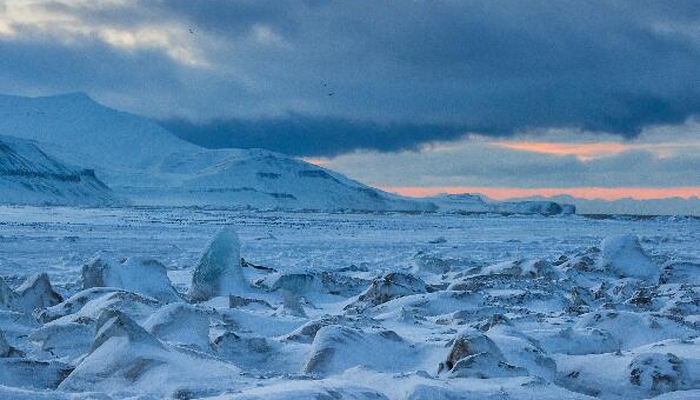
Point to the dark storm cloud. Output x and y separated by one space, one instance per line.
310 136
327 77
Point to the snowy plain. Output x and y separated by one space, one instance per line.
359 306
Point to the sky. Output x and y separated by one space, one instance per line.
505 97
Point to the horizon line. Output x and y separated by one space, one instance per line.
583 192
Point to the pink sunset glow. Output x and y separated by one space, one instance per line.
591 151
503 193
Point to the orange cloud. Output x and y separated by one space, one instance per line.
504 193
320 161
591 151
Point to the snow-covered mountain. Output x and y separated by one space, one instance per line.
474 203
678 205
30 176
142 161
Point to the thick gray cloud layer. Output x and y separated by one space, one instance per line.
297 76
311 136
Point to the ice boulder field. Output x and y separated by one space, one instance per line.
190 303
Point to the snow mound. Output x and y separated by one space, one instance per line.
180 323
634 329
321 390
141 275
337 348
126 360
625 256
64 339
219 271
581 341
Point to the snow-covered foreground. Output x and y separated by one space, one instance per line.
99 304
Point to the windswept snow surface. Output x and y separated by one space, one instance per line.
346 305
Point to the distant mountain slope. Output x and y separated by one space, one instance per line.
147 164
680 206
474 203
30 176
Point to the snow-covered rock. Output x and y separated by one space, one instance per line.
37 292
521 350
683 272
250 352
624 255
657 373
307 332
639 373
219 271
389 287
475 355
141 275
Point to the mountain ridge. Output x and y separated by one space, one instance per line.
30 176
142 161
